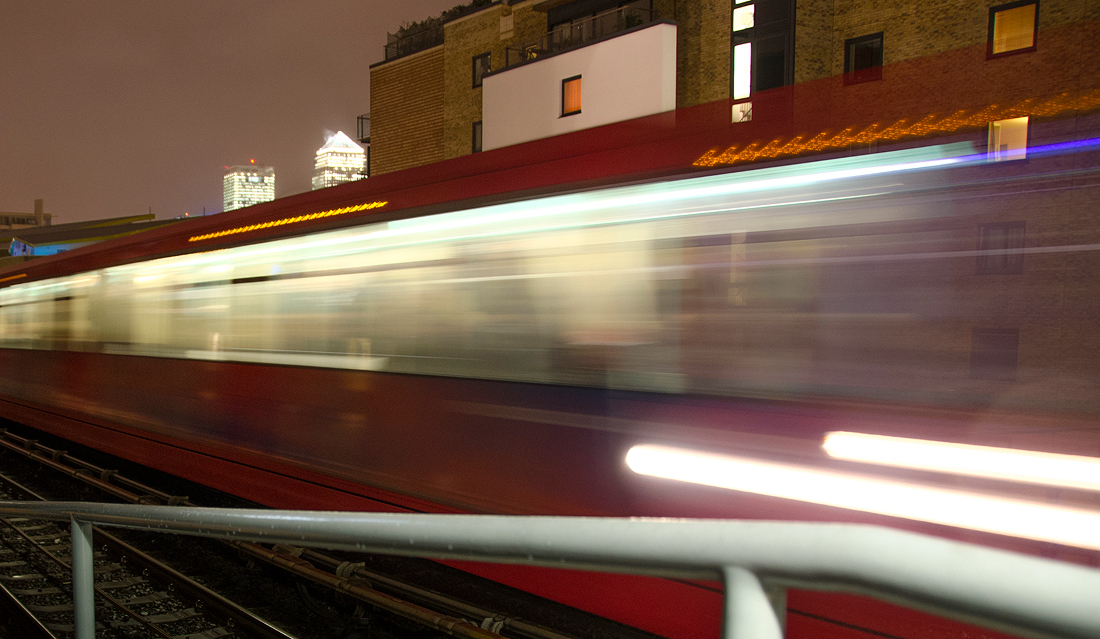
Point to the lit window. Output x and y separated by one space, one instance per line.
742 70
480 67
863 58
1008 139
994 353
476 145
1012 27
742 112
571 95
1001 248
743 17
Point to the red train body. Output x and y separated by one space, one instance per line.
861 299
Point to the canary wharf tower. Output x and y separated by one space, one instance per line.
339 160
247 185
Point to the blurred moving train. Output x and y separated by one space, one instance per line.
506 353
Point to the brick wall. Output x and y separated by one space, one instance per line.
911 29
702 48
482 32
813 39
462 40
406 104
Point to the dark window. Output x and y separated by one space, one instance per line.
771 63
1012 28
571 95
480 67
476 145
863 58
994 353
1001 248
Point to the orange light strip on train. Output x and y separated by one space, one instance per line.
12 277
929 125
289 220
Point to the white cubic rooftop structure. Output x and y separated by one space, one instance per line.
627 75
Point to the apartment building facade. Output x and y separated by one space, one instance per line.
493 74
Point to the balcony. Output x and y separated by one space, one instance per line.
578 33
398 46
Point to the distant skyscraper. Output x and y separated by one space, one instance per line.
247 185
339 160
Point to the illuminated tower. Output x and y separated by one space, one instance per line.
339 160
247 185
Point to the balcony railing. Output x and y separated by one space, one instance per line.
577 33
398 46
362 128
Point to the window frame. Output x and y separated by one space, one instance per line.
564 82
477 132
475 79
993 11
1011 261
993 154
868 74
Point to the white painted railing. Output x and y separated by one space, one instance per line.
758 560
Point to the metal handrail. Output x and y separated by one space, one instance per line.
1025 595
399 46
578 33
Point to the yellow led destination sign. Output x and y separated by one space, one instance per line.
290 220
12 277
929 125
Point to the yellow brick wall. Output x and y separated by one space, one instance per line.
462 40
406 105
911 29
702 48
813 38
465 38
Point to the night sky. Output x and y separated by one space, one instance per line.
110 107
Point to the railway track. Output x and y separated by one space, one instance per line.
139 595
136 595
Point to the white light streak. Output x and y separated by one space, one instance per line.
1051 469
974 511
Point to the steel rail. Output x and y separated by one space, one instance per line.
18 617
105 480
1025 595
490 620
84 593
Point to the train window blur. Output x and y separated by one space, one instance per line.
1012 27
1001 248
835 277
994 354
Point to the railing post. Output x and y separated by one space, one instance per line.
83 580
749 613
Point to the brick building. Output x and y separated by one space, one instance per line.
433 96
